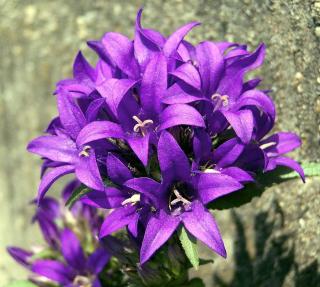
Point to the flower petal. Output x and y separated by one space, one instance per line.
146 42
96 282
99 130
54 270
211 66
72 251
231 83
153 84
82 70
117 219
211 186
120 51
280 143
147 186
67 191
113 90
175 39
174 164
50 177
201 145
20 255
180 114
117 171
98 47
263 124
201 224
288 162
55 148
49 229
88 173
104 71
186 51
51 207
251 84
227 153
224 46
159 229
242 122
133 226
189 74
217 123
98 259
71 116
238 174
181 93
111 197
94 108
140 146
252 158
258 99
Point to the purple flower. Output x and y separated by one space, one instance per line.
64 260
182 196
74 271
213 82
272 148
156 130
60 149
138 113
130 207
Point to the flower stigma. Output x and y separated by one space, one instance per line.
85 151
220 100
141 125
266 145
134 199
82 281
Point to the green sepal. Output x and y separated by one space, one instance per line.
45 254
77 194
189 245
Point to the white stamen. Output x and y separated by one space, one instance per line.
215 96
141 125
221 99
85 151
210 170
179 198
82 281
225 100
134 199
40 279
266 145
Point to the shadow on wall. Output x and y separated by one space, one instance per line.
274 255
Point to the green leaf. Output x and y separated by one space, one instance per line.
310 169
189 244
77 194
262 183
45 254
21 283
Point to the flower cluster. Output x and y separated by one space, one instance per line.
72 256
160 128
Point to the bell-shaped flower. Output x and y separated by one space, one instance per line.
181 196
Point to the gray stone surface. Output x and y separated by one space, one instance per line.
38 42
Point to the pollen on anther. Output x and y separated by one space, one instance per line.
85 151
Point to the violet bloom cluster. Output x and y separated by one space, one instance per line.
158 129
72 256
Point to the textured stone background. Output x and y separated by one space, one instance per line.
275 240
